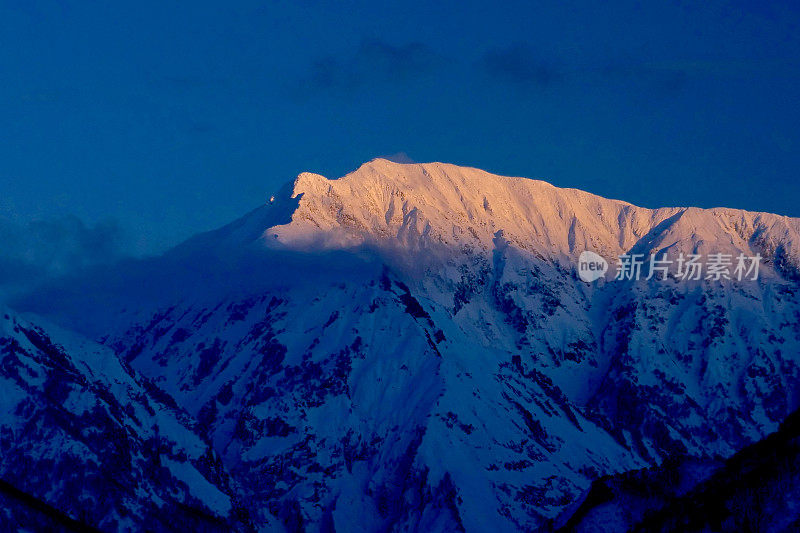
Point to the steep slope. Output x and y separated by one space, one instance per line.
88 444
343 403
410 346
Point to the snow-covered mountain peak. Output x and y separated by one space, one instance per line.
423 205
433 206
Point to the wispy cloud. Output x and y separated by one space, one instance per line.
399 157
374 61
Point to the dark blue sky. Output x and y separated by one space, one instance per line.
176 118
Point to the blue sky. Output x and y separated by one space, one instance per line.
159 120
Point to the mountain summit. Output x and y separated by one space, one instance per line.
410 347
432 205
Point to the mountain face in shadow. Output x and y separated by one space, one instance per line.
88 443
411 347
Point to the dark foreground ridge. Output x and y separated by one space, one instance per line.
757 489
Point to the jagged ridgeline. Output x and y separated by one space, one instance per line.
408 347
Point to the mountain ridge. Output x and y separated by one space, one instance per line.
427 205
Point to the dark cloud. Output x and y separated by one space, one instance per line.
44 249
374 61
520 64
